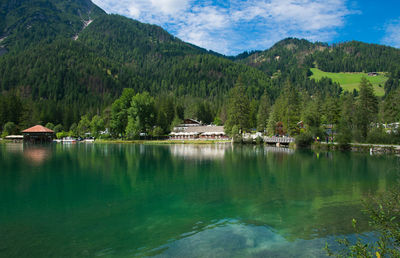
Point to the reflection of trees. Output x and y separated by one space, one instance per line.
145 195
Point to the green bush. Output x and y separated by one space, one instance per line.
304 140
8 129
158 131
344 139
237 138
259 140
58 128
377 135
50 126
61 134
105 136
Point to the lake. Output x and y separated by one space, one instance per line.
129 200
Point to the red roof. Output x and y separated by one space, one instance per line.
38 129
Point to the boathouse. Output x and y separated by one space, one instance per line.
38 134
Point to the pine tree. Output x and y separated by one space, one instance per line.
346 121
263 113
238 109
392 107
367 109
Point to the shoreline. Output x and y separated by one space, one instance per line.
361 147
355 147
162 142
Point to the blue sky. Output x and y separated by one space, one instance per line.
231 27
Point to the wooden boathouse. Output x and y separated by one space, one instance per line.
38 134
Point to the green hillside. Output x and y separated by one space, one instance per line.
28 22
351 81
61 79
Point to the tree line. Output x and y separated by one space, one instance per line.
357 116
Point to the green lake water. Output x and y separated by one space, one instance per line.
181 200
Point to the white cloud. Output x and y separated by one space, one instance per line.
392 34
237 25
133 11
170 6
205 26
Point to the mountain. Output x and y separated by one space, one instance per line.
285 55
357 56
291 59
351 56
28 22
62 66
125 40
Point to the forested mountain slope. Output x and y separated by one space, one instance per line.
351 56
284 56
357 56
27 22
60 78
290 56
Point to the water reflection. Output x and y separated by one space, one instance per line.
34 154
199 152
137 199
37 154
14 147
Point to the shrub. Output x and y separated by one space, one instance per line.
105 136
378 135
50 126
259 140
304 140
9 128
158 131
58 128
61 134
344 139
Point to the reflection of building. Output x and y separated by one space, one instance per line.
14 147
209 132
37 155
38 134
199 152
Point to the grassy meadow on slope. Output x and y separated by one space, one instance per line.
351 81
